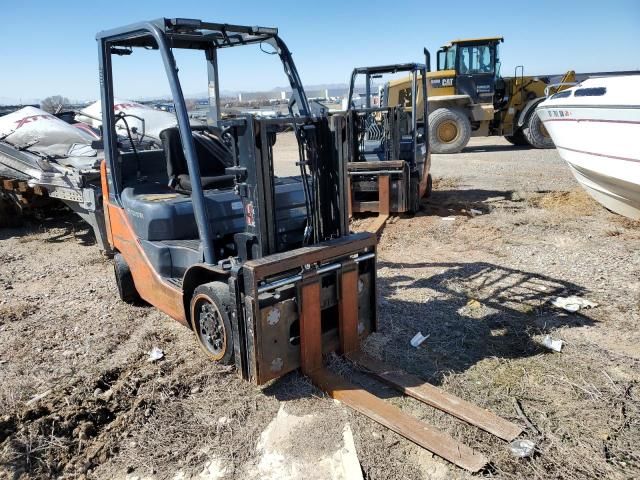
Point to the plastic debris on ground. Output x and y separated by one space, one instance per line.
553 343
522 448
572 303
475 212
474 304
155 354
418 338
448 219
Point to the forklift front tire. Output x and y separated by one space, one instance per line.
414 196
210 321
124 280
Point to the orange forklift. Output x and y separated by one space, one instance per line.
262 268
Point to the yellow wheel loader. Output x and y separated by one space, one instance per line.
467 97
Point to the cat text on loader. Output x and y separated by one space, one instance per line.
388 156
468 97
263 269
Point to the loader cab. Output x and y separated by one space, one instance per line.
474 66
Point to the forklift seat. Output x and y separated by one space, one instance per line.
213 159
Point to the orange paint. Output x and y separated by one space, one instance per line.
151 287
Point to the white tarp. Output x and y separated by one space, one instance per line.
37 131
155 121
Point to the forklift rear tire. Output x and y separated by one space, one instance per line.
124 280
536 134
210 307
449 130
414 196
429 190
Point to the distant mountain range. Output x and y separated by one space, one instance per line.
335 89
36 101
332 87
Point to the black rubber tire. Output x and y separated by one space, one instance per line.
429 190
124 280
518 139
536 134
414 196
442 116
213 298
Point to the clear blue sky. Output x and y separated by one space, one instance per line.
48 47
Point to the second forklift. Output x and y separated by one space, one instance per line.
388 156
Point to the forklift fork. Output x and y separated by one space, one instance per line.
372 406
383 204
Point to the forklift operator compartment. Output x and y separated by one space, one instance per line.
203 200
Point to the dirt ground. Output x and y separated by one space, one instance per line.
505 231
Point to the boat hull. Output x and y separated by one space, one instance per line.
600 145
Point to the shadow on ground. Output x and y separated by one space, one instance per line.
65 223
444 203
494 148
474 311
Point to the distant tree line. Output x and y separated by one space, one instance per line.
54 104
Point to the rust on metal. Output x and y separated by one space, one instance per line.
348 321
395 419
384 200
417 388
355 397
274 338
310 326
321 252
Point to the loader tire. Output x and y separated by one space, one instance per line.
518 139
210 311
536 134
124 280
449 130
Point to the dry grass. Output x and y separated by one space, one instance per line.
446 183
575 202
586 415
163 419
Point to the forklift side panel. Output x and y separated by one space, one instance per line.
148 283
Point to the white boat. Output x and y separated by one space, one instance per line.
595 126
